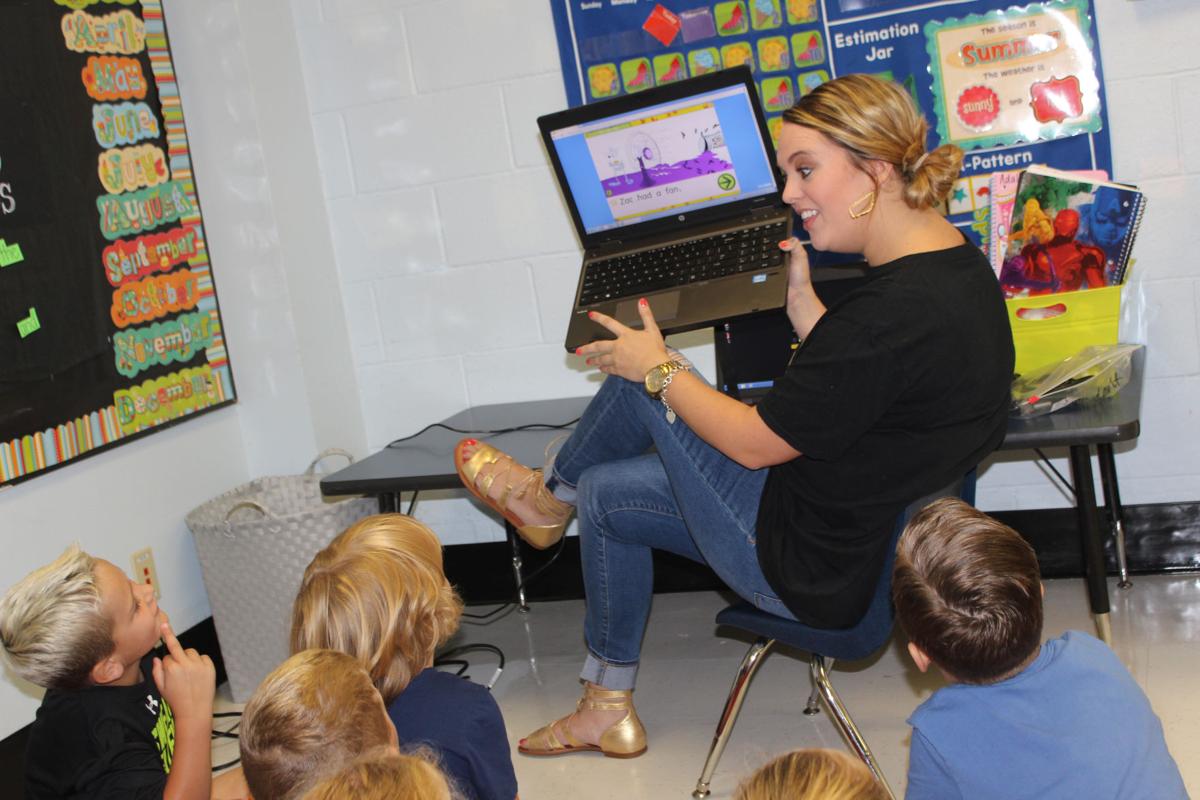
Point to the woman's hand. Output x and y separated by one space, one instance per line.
799 276
633 353
804 308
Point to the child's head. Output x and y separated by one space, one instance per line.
378 593
384 775
313 715
76 622
968 592
814 774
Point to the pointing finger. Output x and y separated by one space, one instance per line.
607 322
168 637
647 316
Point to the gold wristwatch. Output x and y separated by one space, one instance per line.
657 377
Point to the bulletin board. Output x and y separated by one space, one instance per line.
1011 85
109 325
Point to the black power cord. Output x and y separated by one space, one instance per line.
533 426
447 658
227 734
488 617
1066 485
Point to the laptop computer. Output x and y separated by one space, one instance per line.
675 197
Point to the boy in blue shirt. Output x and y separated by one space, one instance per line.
1019 719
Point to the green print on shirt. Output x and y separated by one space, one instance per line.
164 734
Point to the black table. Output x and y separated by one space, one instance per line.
426 462
1079 428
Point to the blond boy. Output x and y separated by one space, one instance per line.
384 775
115 721
311 717
378 592
812 774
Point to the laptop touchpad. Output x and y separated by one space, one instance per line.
665 307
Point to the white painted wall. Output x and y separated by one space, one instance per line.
458 260
255 164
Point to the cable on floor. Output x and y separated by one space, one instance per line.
226 734
480 618
447 658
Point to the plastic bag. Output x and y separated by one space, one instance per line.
1094 373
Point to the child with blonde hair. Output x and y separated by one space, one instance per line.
378 593
385 775
310 717
813 774
116 721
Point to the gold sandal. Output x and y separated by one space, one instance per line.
537 536
623 739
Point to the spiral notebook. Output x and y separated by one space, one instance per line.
1069 233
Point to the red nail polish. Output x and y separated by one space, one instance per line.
591 315
786 244
578 351
472 442
642 302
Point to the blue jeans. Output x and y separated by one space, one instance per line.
686 498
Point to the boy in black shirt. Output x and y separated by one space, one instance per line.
115 721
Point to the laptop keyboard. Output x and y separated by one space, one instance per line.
640 273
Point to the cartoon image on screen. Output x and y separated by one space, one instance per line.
663 162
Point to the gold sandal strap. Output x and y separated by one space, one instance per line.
544 500
486 454
522 487
502 500
594 705
597 699
547 738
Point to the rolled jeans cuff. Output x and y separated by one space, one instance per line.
621 677
557 486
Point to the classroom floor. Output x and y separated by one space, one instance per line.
687 668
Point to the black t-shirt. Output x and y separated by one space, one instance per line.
900 387
101 742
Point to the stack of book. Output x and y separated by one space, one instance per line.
1054 231
1060 243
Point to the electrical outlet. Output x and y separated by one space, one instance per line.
144 571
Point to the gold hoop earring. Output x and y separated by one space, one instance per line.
856 211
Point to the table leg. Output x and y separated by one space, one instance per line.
388 502
515 541
1089 530
1116 514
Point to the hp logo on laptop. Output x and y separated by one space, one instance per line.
682 217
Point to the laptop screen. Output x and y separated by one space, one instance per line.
675 157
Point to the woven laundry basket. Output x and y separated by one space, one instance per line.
254 543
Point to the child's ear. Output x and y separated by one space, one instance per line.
919 658
106 671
